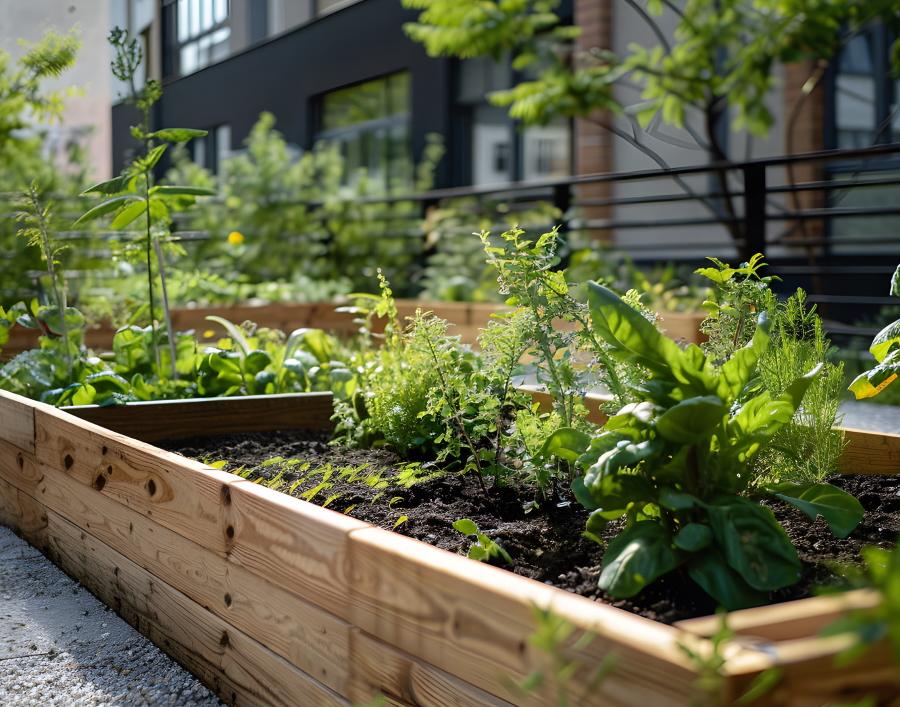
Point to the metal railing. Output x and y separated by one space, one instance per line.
827 221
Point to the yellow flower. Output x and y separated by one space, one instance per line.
235 238
209 334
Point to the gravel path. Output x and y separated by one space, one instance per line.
60 646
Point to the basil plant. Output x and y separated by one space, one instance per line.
677 467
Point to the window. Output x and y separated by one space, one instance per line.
865 108
210 151
499 149
370 123
202 33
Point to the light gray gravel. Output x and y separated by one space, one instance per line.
60 646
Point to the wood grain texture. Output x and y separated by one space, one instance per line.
239 669
473 620
380 669
165 419
870 453
785 621
178 493
17 420
304 634
298 546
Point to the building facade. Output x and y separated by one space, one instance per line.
344 70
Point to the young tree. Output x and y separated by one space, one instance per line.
718 63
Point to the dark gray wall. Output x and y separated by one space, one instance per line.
284 75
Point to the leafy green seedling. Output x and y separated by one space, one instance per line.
483 549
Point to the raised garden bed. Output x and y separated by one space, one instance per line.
467 318
272 600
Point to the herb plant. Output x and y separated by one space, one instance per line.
133 195
676 467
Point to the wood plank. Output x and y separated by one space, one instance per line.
473 621
868 452
239 669
785 621
594 402
810 677
304 634
20 511
294 544
380 669
178 493
17 420
163 419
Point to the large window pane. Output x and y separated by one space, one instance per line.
370 122
492 147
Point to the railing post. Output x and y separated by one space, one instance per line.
562 200
754 211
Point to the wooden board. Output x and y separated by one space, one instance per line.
152 421
869 452
17 421
473 620
309 637
237 668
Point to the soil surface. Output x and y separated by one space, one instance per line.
545 544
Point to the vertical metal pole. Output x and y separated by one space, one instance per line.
754 210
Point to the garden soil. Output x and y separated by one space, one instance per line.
544 542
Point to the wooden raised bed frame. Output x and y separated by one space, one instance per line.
272 600
467 320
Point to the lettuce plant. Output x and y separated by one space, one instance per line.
676 467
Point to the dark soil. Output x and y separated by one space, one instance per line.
545 544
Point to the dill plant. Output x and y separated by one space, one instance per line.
808 447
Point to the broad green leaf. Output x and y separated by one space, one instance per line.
613 494
637 556
173 190
626 454
693 537
886 340
692 420
128 214
710 570
627 330
582 494
841 511
738 370
256 361
566 443
177 134
106 207
465 526
871 383
754 544
677 500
